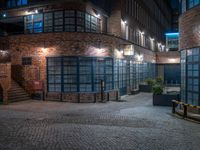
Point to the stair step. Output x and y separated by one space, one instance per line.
18 100
17 96
17 93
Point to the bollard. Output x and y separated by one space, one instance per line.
173 107
108 97
102 90
184 111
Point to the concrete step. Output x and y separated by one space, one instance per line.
17 93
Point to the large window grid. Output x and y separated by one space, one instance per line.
84 74
59 21
79 74
190 76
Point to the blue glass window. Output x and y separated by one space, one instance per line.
34 23
16 3
192 3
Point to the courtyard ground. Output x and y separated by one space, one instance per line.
129 125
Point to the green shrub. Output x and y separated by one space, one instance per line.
157 89
159 80
150 82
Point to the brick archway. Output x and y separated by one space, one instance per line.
1 94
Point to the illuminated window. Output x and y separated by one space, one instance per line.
16 3
34 23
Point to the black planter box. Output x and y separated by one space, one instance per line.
164 99
134 92
145 88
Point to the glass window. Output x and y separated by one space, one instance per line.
70 73
87 22
70 21
48 22
192 3
34 23
80 21
58 21
16 3
85 76
54 74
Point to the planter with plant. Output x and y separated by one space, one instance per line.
160 98
147 86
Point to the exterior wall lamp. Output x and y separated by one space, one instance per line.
139 58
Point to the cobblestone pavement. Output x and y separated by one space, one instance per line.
129 125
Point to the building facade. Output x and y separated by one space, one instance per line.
189 24
72 50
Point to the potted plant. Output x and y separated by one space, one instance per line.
162 99
147 86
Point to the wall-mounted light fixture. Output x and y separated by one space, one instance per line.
124 22
142 32
4 15
44 47
152 39
31 12
139 57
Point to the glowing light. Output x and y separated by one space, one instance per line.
139 57
142 33
31 12
4 15
44 50
172 60
98 15
152 39
172 34
3 52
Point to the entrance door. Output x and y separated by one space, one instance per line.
172 74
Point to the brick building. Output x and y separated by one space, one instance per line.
71 50
189 25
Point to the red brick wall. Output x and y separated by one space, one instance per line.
189 25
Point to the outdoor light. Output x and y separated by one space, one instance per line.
139 57
124 22
36 11
3 52
98 15
29 12
142 33
152 39
172 60
4 15
44 47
